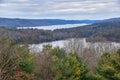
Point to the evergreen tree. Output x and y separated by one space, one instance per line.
109 67
68 66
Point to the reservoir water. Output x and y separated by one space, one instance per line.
77 44
53 27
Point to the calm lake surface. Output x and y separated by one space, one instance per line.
80 44
53 27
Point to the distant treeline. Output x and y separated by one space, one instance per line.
16 22
103 31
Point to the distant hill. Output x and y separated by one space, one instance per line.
113 19
107 30
16 22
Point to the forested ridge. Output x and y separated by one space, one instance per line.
102 31
17 22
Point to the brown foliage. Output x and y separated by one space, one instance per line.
9 61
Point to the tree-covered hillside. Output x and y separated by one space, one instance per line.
16 22
102 31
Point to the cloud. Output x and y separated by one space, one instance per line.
66 9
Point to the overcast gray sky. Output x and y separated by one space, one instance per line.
60 9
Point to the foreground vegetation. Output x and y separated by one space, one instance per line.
17 63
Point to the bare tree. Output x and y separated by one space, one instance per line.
89 52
